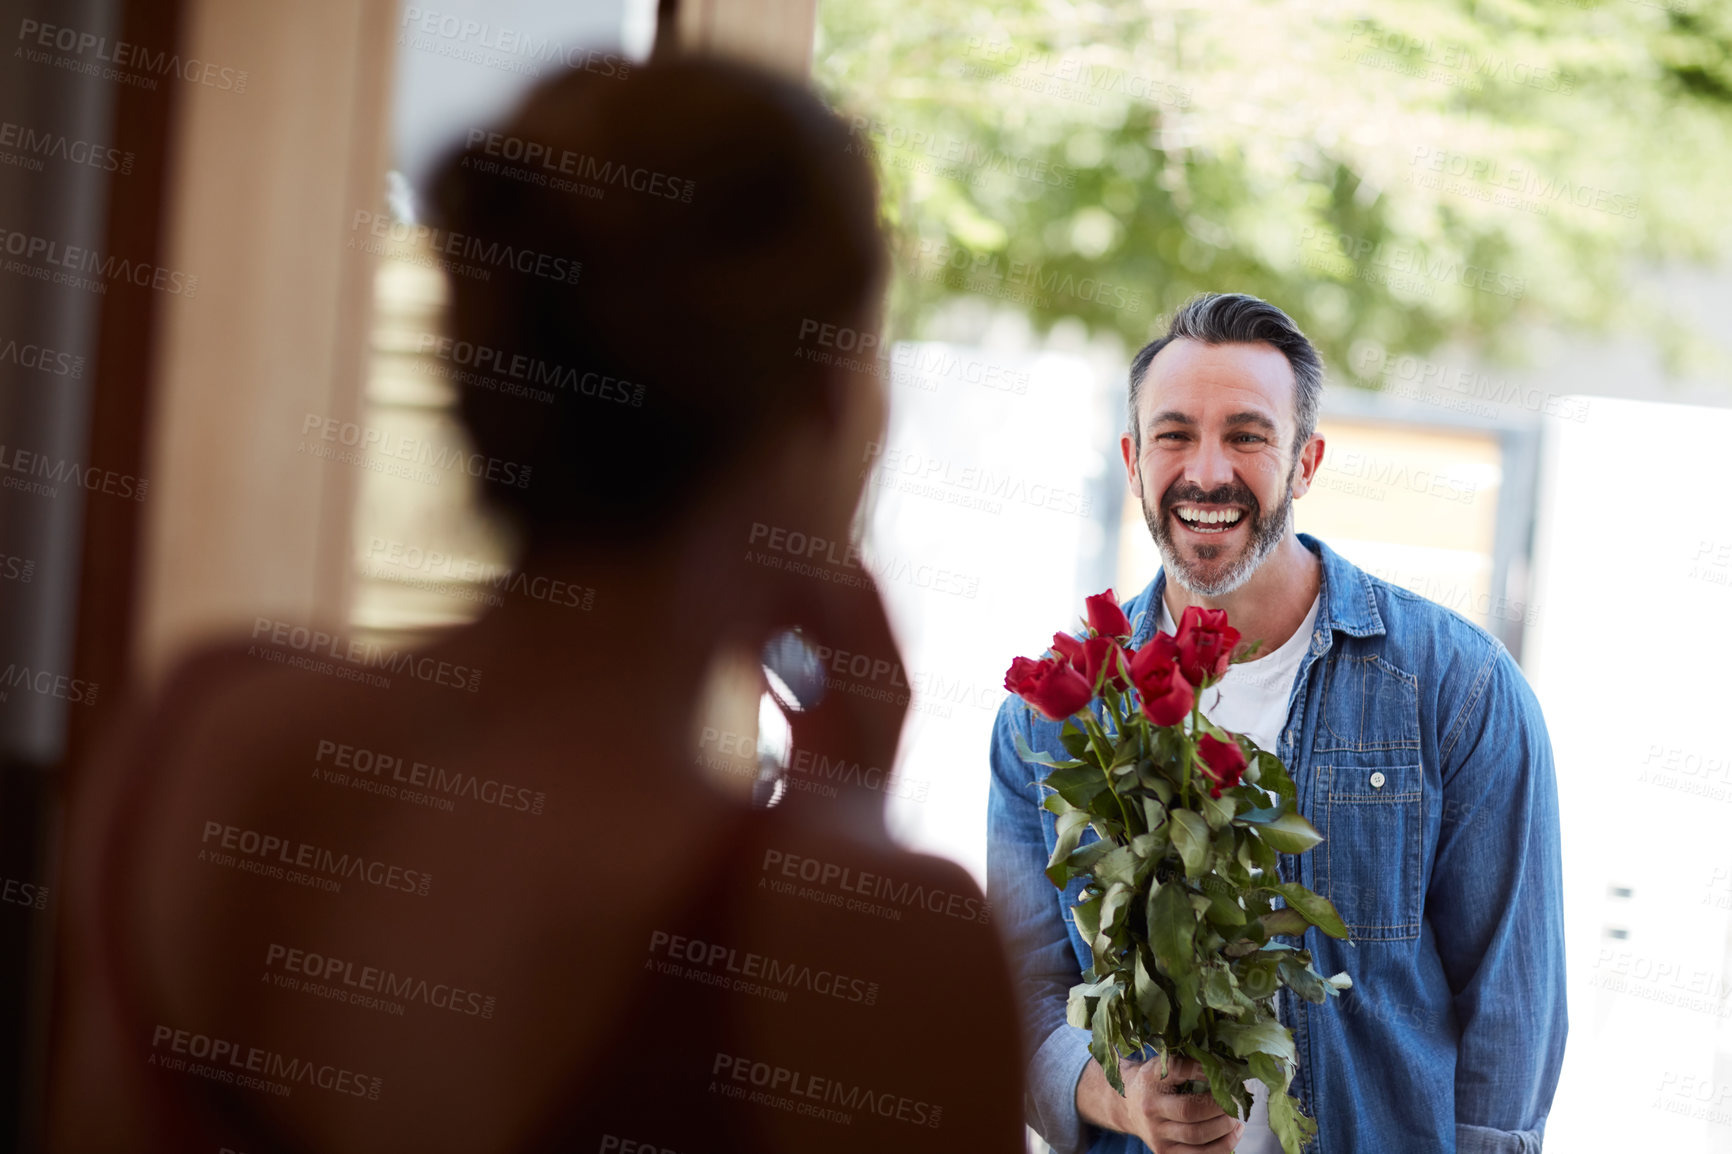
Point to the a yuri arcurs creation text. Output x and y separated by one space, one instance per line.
1182 902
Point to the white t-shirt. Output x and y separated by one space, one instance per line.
1251 698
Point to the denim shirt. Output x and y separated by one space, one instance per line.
1419 753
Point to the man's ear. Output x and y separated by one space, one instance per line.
1133 477
1310 459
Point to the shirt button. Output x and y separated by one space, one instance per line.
1377 780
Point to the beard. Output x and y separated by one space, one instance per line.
1229 573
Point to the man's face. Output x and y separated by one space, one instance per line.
1216 471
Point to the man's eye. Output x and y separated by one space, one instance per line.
1169 436
1249 439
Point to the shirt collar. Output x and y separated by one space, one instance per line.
1346 599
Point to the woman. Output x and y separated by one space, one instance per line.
495 907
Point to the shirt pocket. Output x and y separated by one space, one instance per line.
1373 841
1369 783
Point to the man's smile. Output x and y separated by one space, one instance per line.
1209 520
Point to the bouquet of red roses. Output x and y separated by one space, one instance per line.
1182 904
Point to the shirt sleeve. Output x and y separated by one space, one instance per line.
1030 915
1496 907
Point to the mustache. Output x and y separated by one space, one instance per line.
1228 494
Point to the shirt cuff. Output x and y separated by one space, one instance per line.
1053 1074
1485 1140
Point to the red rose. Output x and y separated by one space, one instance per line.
1222 762
1087 658
1105 616
1104 651
1166 695
1206 643
1070 649
1051 686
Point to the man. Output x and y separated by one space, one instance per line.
1417 749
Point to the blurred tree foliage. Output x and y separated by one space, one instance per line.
1397 176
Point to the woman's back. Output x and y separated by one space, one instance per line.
508 936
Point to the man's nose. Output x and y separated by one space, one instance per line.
1209 467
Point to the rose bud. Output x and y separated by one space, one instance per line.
1105 617
1051 686
1104 652
1087 658
1070 649
1166 696
1222 762
1206 643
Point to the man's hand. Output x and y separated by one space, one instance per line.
1169 1122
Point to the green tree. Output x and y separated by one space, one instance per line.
1443 170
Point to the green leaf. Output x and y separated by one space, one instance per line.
1151 847
1113 909
1087 916
1109 939
1151 779
1290 833
1285 921
1289 1123
1028 753
1262 854
1096 988
1227 866
1191 838
1104 1041
1224 911
1110 810
1259 977
1083 858
1188 995
1271 774
1223 843
1125 754
1221 992
1151 999
1226 1080
1272 1072
1217 811
1172 930
1070 830
1118 868
1078 785
1302 981
1265 1037
1246 652
1317 909
1076 1008
1075 741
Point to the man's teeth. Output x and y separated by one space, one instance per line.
1204 517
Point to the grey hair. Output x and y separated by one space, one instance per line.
1233 318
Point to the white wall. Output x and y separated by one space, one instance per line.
984 513
1629 658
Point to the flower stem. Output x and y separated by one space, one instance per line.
1190 755
1101 751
